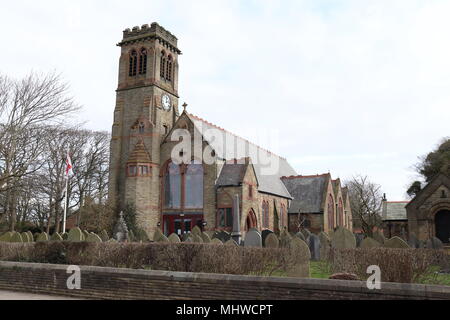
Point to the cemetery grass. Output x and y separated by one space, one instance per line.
320 270
435 277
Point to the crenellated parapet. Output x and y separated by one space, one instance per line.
152 32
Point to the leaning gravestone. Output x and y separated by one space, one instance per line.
16 237
264 236
435 243
314 247
173 238
6 237
396 243
92 237
75 235
56 237
272 241
413 242
253 239
42 237
285 239
343 239
325 245
205 238
370 243
300 250
378 236
359 239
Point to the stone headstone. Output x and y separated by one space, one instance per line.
196 238
65 236
163 239
343 239
205 238
30 236
92 237
25 237
231 242
370 243
301 267
6 237
197 231
379 237
396 243
157 234
174 238
42 237
435 243
359 239
56 237
216 241
272 241
306 233
85 234
325 245
222 236
186 236
264 235
104 235
16 237
75 235
189 239
253 239
300 236
413 242
285 239
314 247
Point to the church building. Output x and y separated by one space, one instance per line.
180 171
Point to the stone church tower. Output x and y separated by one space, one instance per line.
146 109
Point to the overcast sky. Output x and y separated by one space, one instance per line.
351 87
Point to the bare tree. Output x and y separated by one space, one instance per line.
366 203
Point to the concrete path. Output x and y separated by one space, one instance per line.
11 295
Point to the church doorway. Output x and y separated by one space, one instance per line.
442 221
181 223
251 222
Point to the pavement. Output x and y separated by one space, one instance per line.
12 295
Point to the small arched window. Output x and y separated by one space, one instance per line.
162 67
169 69
141 128
331 219
143 61
133 63
265 214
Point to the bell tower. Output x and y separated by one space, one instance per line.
146 109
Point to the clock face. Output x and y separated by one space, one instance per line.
166 102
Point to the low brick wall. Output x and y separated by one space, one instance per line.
111 283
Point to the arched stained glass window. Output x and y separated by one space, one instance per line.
193 185
172 187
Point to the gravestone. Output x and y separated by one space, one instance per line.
396 243
92 237
6 237
272 241
197 231
359 239
343 239
196 238
104 235
185 237
253 239
302 266
206 238
163 239
413 242
300 236
216 241
65 236
435 243
85 234
314 247
157 234
285 239
16 237
56 237
75 235
264 235
306 233
370 243
231 242
30 236
25 237
222 236
174 238
188 239
379 237
325 245
42 237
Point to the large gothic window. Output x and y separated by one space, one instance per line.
143 61
172 187
133 63
193 185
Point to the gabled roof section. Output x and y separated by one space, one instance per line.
269 168
336 186
309 192
395 210
435 183
345 193
233 173
139 154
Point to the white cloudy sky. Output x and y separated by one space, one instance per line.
351 86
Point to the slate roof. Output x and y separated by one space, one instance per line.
232 174
269 177
308 192
395 210
139 154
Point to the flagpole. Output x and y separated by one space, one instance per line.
65 205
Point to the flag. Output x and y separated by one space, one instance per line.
68 166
